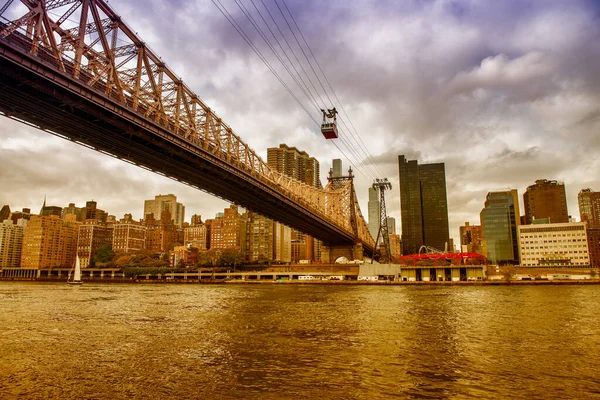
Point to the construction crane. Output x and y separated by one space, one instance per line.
381 185
328 126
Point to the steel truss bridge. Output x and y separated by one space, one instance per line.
75 69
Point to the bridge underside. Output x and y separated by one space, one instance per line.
330 253
35 93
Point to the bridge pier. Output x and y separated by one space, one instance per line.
331 253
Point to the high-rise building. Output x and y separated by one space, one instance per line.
128 235
593 239
92 212
391 223
283 242
589 207
90 238
336 168
11 243
165 202
4 212
300 166
295 163
374 212
424 205
162 234
160 238
260 238
298 246
546 199
196 236
196 220
47 211
17 215
78 212
395 245
471 239
499 223
552 245
227 230
48 242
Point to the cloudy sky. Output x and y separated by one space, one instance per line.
503 92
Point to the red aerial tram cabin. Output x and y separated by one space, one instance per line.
328 126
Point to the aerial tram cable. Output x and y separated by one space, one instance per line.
247 14
361 145
291 50
283 50
249 41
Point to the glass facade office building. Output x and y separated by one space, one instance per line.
499 227
424 205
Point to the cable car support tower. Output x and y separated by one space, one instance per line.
381 185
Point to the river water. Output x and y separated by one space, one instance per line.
282 341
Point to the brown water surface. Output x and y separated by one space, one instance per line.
112 341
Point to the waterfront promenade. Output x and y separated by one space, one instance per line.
319 274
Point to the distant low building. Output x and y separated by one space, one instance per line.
563 244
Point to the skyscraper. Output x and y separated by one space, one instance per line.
374 210
295 163
162 203
300 166
499 224
546 199
391 223
337 167
424 205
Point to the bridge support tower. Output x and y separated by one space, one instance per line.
331 253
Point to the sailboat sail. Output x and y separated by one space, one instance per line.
77 276
76 272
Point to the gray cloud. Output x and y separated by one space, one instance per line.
503 92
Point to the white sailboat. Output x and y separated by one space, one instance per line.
76 274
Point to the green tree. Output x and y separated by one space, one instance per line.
231 257
206 258
104 255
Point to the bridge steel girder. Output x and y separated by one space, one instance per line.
49 99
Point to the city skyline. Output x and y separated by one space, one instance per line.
500 93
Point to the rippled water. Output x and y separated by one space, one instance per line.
111 341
